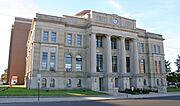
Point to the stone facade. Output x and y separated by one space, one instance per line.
111 53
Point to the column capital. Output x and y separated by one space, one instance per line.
107 36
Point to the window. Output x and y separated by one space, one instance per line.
113 43
44 60
44 83
52 83
116 82
53 37
99 63
45 36
79 40
128 64
127 45
69 39
142 47
99 41
114 63
154 47
68 84
157 82
142 66
68 64
52 61
158 49
158 67
79 83
145 83
78 63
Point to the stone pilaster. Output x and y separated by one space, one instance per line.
108 54
93 53
123 55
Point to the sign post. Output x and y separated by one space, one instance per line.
38 81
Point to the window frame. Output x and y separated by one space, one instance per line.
69 39
53 37
45 36
68 56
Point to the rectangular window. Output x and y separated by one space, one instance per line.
159 67
116 82
128 64
142 66
156 66
114 63
99 41
53 37
52 61
69 39
79 40
113 43
44 60
99 63
142 47
154 47
127 44
158 49
45 36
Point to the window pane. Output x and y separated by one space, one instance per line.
113 43
142 47
127 45
79 83
68 84
53 37
78 63
43 83
45 36
159 50
99 41
114 63
52 83
44 60
142 66
69 39
52 61
68 65
128 64
79 40
99 62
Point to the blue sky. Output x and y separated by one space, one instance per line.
158 16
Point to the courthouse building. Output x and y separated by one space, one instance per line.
93 50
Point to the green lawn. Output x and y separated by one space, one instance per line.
173 89
21 91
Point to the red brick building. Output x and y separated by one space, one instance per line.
17 51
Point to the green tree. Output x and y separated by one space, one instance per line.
167 66
178 63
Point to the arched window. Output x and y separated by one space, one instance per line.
44 83
79 83
68 64
68 84
52 83
78 63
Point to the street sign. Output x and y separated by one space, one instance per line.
38 78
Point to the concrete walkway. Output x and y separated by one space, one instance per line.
5 99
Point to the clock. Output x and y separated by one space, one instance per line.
115 21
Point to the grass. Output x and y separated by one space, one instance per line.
22 91
173 89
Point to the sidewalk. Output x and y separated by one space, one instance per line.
55 99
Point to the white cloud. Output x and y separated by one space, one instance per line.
8 10
115 4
